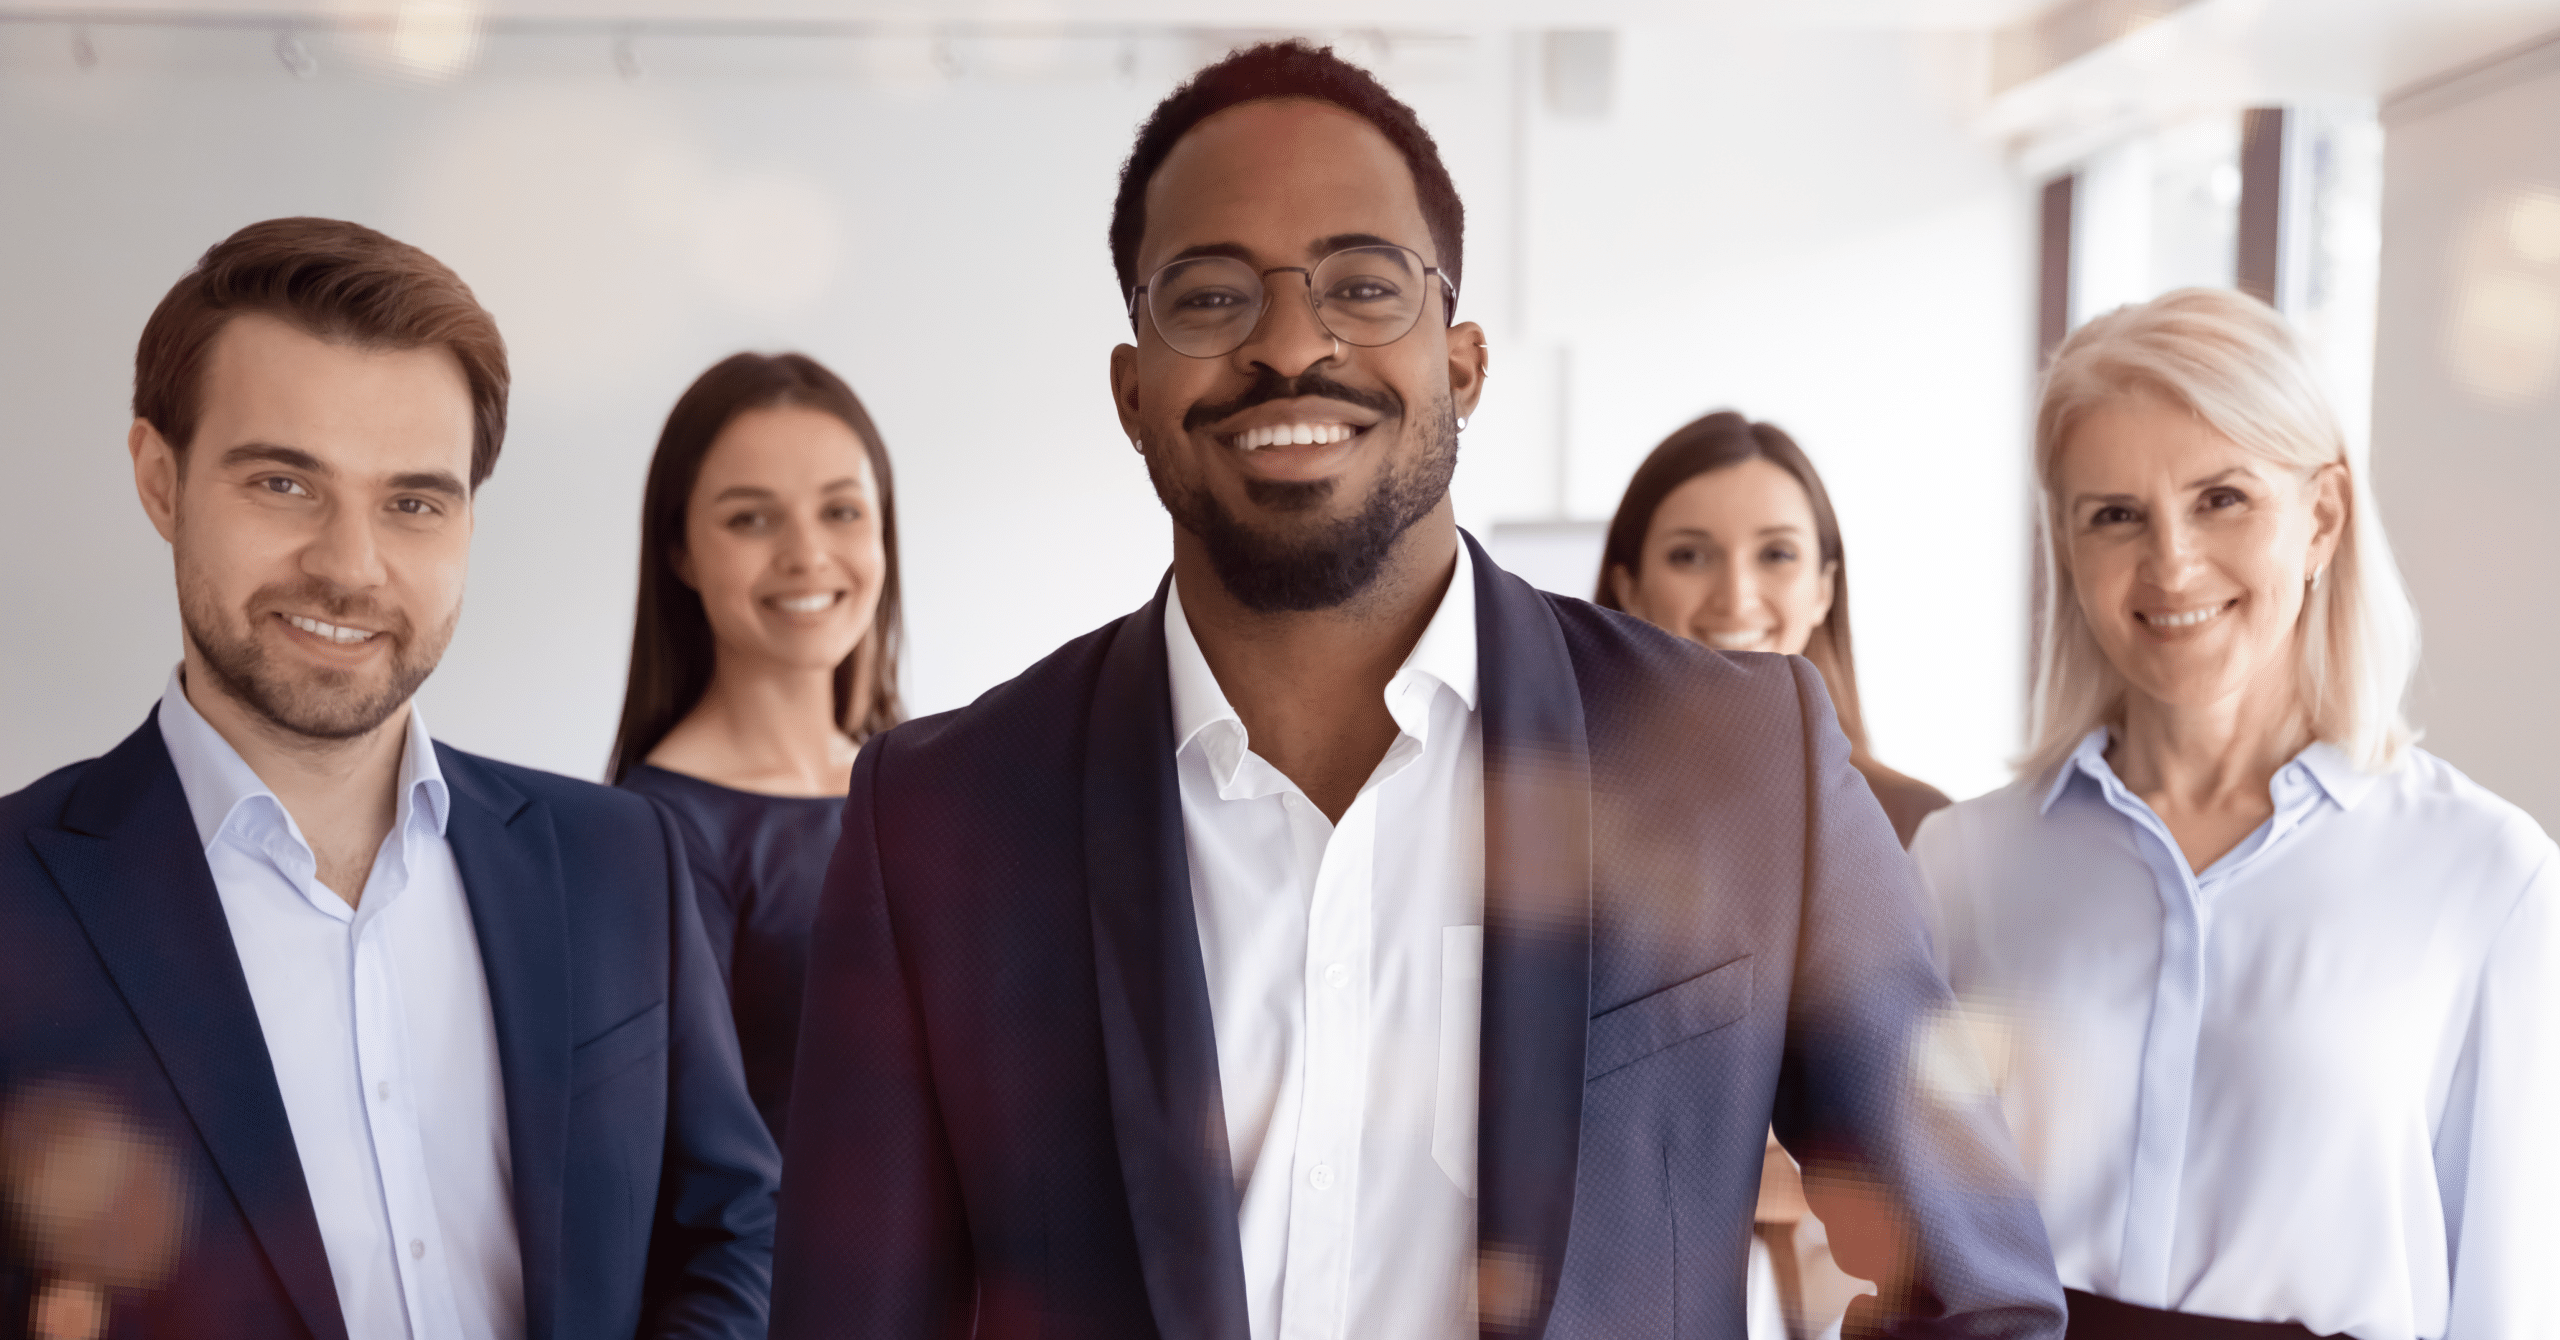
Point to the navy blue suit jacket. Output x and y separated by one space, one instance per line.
643 1179
1696 918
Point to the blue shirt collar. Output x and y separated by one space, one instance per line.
218 782
2336 773
2338 777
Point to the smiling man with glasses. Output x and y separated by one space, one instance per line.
1355 941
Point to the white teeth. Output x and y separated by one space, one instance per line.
1736 641
1294 435
2187 620
805 604
333 632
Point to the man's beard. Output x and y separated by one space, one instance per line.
323 704
1333 561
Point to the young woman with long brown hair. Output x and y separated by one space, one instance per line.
764 652
1726 537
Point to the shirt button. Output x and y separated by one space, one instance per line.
382 1090
417 1248
1336 974
1321 1177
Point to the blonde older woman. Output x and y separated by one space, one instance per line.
2273 996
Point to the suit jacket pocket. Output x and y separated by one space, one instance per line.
618 1048
1675 1014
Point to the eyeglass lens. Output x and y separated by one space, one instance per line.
1209 305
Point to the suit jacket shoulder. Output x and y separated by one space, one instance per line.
1652 701
1020 732
580 809
40 803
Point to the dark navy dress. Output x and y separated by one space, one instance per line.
758 865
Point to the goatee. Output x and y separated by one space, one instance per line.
319 705
1327 563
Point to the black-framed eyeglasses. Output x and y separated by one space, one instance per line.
1208 306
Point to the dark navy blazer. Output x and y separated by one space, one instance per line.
1696 920
643 1179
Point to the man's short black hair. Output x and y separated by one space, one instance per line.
1289 69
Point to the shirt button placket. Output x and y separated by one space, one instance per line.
376 1014
2167 1087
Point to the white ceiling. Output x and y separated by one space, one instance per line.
1905 14
2217 54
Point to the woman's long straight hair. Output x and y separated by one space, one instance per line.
672 650
1711 443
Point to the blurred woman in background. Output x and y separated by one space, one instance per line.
765 651
2272 996
1726 537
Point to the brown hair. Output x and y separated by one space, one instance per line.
1714 442
338 281
671 643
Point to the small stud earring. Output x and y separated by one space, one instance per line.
1138 444
1462 423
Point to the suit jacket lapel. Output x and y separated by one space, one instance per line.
128 862
510 863
1161 1052
1537 950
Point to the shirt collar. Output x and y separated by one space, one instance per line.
2338 777
218 781
2089 759
1444 657
2336 773
1446 653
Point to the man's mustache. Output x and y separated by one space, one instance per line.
1269 386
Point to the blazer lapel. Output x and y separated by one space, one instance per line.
510 863
128 862
1537 950
1162 1055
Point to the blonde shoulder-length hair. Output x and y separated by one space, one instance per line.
2230 360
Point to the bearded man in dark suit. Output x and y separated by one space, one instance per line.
1354 941
311 1025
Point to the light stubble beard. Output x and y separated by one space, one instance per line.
322 705
1335 561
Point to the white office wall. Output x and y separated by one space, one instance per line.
1797 224
1794 223
2466 413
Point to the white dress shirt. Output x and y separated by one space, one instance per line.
2317 1082
377 1023
1344 962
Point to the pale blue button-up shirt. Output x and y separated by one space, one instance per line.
378 1027
2317 1081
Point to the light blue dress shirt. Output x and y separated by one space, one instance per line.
378 1027
2316 1082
